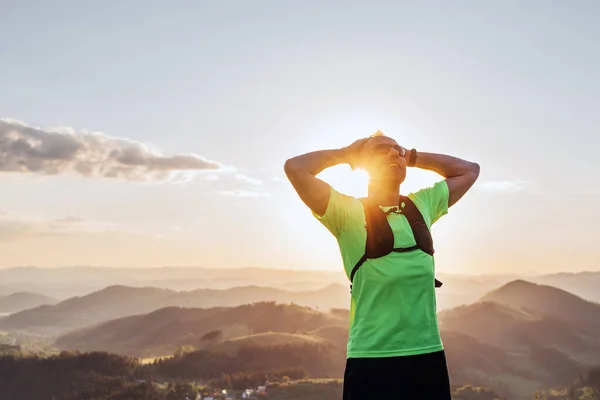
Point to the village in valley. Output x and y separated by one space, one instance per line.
258 392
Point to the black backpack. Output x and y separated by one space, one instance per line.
380 238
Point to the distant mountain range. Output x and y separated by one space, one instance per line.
121 301
22 300
66 282
161 332
516 339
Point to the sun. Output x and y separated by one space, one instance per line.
347 181
355 182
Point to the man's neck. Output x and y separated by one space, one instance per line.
384 193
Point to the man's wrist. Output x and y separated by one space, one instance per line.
343 155
411 157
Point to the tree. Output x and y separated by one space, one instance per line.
212 336
181 350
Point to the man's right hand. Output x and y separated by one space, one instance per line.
352 152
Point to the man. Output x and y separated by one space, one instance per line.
394 345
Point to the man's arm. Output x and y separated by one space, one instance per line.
460 174
302 170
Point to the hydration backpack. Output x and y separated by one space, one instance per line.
380 237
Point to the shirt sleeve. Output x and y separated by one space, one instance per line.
337 213
433 201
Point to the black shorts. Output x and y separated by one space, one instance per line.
423 376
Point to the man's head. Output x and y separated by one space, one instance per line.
383 158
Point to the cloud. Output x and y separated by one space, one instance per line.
67 221
504 186
248 179
90 154
71 219
14 227
11 229
243 193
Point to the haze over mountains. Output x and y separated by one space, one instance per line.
512 335
121 301
516 339
162 331
66 282
22 301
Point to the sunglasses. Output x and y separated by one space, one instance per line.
385 148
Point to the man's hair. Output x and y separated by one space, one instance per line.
376 134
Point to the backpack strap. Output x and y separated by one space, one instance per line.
380 237
420 231
356 267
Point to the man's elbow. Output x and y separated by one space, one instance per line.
291 168
466 169
474 169
288 166
473 172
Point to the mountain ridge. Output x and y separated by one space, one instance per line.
166 329
19 301
548 301
118 301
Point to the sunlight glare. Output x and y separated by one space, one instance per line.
355 183
347 181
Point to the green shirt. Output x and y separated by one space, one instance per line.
393 303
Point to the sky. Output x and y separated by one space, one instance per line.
152 133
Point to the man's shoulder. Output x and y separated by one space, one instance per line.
341 210
346 200
438 186
340 204
432 200
427 193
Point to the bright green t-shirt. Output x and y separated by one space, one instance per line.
393 303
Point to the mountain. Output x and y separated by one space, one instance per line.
583 284
547 301
109 303
121 301
462 290
521 337
66 282
521 316
516 339
23 300
491 323
162 331
465 352
267 339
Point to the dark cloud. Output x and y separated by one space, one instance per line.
27 149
